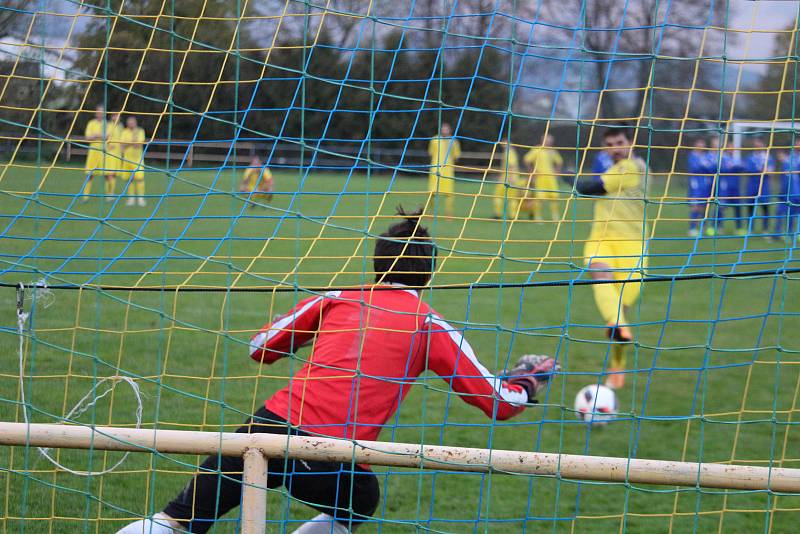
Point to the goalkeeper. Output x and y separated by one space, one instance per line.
616 247
367 348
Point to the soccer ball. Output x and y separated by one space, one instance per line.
596 404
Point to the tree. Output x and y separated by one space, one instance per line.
775 95
632 43
12 16
187 63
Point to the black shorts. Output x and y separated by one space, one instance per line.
344 491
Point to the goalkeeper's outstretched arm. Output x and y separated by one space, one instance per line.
452 358
290 331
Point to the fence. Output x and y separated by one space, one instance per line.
256 448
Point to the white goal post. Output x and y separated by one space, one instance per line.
255 448
766 128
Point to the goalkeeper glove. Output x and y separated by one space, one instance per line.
532 372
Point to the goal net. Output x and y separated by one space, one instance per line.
175 174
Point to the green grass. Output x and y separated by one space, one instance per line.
696 395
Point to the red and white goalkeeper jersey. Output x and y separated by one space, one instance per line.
368 348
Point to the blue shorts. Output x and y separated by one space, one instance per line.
729 190
761 197
786 208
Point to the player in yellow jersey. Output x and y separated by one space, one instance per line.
132 141
257 181
444 152
95 134
507 173
617 245
545 164
114 162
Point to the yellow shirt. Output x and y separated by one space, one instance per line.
133 153
444 151
114 136
250 181
508 169
543 161
619 214
96 128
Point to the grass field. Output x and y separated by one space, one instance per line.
716 361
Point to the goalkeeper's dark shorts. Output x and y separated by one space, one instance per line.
347 492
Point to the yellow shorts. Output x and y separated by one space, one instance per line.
96 161
546 188
500 191
130 167
521 190
626 257
115 163
446 185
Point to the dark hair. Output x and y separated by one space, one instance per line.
405 253
619 129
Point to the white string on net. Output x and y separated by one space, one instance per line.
43 295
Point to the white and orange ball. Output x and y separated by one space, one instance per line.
596 404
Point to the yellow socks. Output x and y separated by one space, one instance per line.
554 210
618 358
135 188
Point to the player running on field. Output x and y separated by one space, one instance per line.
617 245
444 152
133 140
368 345
257 182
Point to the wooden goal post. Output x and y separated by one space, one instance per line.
255 448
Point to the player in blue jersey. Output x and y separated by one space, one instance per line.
728 190
788 211
700 171
758 164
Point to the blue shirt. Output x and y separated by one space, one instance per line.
699 166
790 178
712 162
729 168
757 164
698 163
